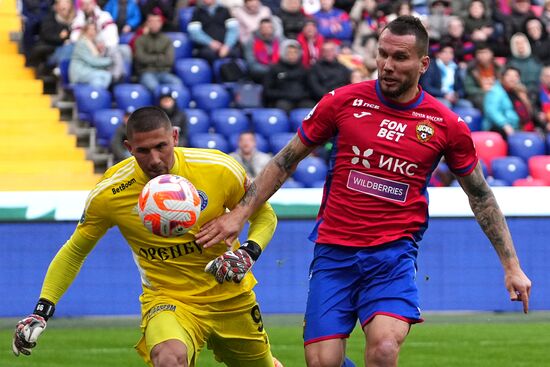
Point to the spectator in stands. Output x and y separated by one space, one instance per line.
478 23
214 32
365 42
521 11
443 79
438 19
33 13
522 59
357 76
248 156
168 104
54 42
543 102
249 17
481 74
402 7
327 74
88 63
545 15
292 18
125 13
167 8
285 85
506 107
311 42
538 39
354 61
154 55
334 23
460 42
262 51
107 36
118 149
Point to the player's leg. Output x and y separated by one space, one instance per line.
385 335
170 353
330 313
388 300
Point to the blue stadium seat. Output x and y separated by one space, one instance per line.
210 96
310 171
193 71
229 121
493 182
89 99
261 143
180 94
279 140
248 95
183 47
471 115
268 121
64 85
198 121
210 141
185 14
296 116
509 169
125 38
526 145
106 122
216 65
131 96
292 184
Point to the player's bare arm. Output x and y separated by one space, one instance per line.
493 223
276 172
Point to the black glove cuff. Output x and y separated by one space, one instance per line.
252 248
44 308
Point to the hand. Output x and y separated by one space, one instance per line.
223 51
519 287
224 228
26 333
215 45
231 266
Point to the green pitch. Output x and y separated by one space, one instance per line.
484 340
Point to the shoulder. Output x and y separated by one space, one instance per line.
122 174
212 161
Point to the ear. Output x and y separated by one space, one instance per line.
128 146
424 64
175 135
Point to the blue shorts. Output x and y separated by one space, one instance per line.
351 283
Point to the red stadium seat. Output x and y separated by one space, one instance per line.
539 167
529 182
489 145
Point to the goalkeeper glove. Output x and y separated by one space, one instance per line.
233 265
29 329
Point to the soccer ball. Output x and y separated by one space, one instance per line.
169 205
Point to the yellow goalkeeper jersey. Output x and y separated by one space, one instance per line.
172 267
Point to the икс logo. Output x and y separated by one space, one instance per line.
367 153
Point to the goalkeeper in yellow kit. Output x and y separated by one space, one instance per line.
192 297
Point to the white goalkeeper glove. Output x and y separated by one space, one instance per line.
29 329
233 265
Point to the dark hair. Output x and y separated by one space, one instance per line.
410 25
266 20
510 67
146 119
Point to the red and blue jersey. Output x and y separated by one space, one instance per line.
383 156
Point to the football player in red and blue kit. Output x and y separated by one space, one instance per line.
389 136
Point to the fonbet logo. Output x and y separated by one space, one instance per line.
424 131
388 163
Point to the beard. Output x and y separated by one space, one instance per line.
395 93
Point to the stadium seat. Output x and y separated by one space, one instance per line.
310 171
279 140
64 83
489 145
269 121
471 115
180 94
229 121
106 122
292 184
248 95
529 181
547 143
539 168
217 64
89 99
185 14
261 143
210 141
210 96
125 38
131 96
198 121
493 182
525 145
183 47
193 71
509 169
296 116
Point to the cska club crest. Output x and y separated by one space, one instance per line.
424 131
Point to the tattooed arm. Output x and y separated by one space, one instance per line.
493 223
275 173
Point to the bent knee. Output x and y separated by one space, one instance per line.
172 353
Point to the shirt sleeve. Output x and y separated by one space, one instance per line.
460 155
320 124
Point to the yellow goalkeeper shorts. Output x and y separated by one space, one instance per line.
233 329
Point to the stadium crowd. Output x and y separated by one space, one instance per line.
490 64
